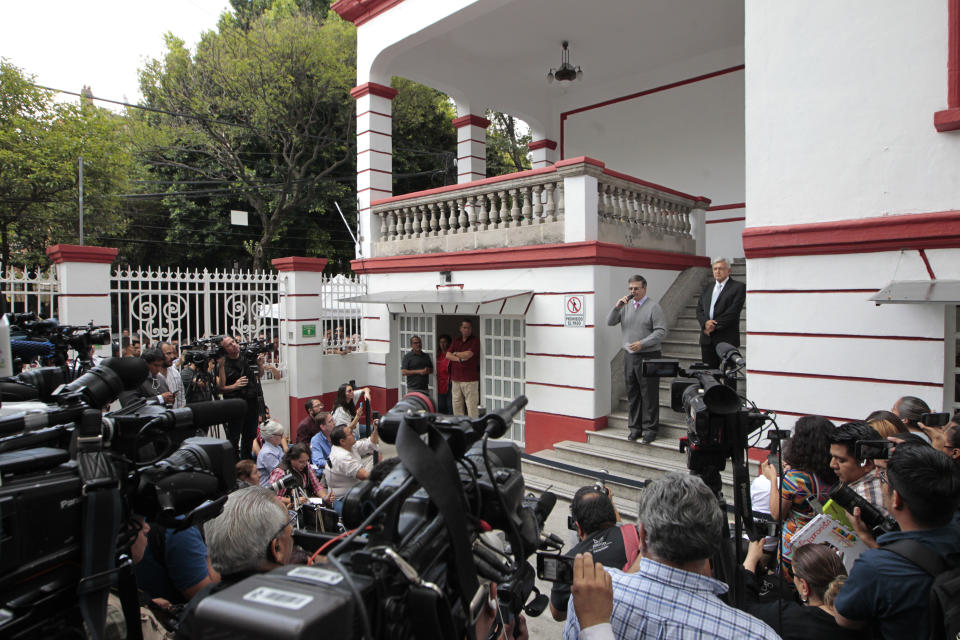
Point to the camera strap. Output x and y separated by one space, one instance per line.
101 523
435 469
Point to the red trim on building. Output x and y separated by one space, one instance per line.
926 263
376 340
474 157
824 376
384 153
647 183
794 413
560 386
376 113
372 88
589 326
580 160
724 207
558 355
298 263
542 144
304 344
454 187
303 319
792 291
722 220
545 255
389 173
377 364
564 293
82 295
938 230
369 317
372 189
301 295
379 133
949 119
471 140
471 120
640 94
851 336
382 399
472 173
449 286
60 253
542 430
298 413
361 11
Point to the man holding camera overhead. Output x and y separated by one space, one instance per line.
233 382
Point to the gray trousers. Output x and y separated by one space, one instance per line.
643 394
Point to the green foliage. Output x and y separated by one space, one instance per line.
41 142
424 138
506 145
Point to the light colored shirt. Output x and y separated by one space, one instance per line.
663 603
341 417
343 464
870 488
175 384
267 460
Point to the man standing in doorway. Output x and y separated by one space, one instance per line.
417 366
718 312
464 357
643 328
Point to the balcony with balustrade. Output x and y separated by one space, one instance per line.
574 200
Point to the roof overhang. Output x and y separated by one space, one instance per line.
919 292
451 300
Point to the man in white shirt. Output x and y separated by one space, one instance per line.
718 312
172 375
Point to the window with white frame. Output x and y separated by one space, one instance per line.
503 366
423 326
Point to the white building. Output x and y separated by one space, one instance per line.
804 135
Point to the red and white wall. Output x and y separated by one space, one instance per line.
850 186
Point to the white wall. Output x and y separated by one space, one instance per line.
840 98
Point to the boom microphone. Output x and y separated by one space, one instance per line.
30 349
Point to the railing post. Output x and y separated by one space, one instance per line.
580 198
301 307
83 274
698 226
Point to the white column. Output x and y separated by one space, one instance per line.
698 226
580 198
471 148
83 274
374 157
301 329
543 153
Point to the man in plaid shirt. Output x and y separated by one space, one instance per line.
859 475
669 595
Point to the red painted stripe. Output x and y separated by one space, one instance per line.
472 173
471 140
305 344
449 286
564 293
302 319
86 295
454 187
926 263
372 189
376 113
379 133
302 295
542 144
377 364
384 153
503 305
560 386
373 88
361 11
530 324
370 317
812 290
852 336
558 355
639 94
529 302
940 230
471 120
546 255
724 207
389 173
794 413
376 340
718 221
823 376
474 157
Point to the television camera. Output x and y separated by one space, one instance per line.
49 341
426 543
70 479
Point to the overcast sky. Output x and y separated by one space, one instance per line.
100 43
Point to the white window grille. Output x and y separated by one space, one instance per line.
423 326
340 324
504 373
30 289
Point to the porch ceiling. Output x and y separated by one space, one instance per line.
499 58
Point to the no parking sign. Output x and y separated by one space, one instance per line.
573 311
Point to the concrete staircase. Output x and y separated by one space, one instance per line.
571 465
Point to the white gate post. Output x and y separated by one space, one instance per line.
301 333
83 274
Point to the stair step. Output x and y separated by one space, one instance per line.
536 484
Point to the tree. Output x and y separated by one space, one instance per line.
506 144
260 113
41 142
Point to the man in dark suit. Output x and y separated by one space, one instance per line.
154 387
718 312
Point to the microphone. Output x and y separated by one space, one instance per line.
727 351
33 420
29 349
499 421
200 414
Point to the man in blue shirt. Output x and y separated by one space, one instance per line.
921 490
175 565
670 595
320 444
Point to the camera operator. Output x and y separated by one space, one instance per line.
196 377
680 526
232 382
154 387
596 521
296 462
172 374
909 409
253 534
860 475
921 490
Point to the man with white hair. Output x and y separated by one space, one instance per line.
718 312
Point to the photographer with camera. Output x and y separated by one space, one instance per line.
253 534
612 544
345 465
860 475
233 381
889 586
670 595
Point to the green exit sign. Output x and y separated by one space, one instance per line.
308 331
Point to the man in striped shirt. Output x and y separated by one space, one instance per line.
670 594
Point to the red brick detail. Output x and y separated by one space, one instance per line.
298 263
361 11
368 88
471 120
60 253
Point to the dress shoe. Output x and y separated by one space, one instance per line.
649 437
633 436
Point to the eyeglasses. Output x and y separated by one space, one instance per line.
289 523
882 474
635 288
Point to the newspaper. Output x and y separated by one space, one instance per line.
825 530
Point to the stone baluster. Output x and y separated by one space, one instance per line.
619 214
550 207
462 217
687 222
484 219
407 223
444 223
393 224
526 210
538 204
630 207
418 222
472 205
560 202
383 225
504 209
434 222
494 211
515 208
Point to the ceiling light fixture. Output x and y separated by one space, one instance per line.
567 73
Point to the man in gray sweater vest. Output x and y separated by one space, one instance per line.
643 329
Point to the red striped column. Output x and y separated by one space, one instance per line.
543 153
374 156
471 148
83 274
